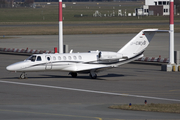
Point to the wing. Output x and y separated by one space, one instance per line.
86 68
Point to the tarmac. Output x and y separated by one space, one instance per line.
55 95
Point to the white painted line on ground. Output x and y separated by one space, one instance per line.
90 91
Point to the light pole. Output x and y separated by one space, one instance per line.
60 28
171 43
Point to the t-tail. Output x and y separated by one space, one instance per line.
134 49
137 45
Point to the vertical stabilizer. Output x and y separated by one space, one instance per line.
138 44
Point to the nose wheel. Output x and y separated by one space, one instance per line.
23 76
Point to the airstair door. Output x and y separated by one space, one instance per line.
48 63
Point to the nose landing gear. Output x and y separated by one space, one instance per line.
23 76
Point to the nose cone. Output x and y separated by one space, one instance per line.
11 68
15 66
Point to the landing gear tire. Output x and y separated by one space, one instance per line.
93 76
23 76
73 74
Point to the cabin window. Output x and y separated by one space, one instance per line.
48 58
64 57
69 57
54 58
59 58
80 57
74 57
38 58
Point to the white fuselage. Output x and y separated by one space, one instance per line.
73 62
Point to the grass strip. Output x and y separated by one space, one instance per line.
70 30
166 108
82 22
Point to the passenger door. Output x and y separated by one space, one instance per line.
48 63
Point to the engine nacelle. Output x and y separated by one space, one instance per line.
109 55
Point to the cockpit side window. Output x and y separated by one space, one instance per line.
32 58
38 58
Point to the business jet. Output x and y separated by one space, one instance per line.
91 62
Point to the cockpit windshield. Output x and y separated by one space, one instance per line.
32 58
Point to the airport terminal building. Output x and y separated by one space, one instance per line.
156 7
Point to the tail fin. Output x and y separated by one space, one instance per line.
138 44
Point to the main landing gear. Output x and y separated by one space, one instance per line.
73 74
92 75
23 76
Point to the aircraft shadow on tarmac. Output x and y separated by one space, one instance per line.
101 77
84 77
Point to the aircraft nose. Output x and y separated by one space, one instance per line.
16 66
10 68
